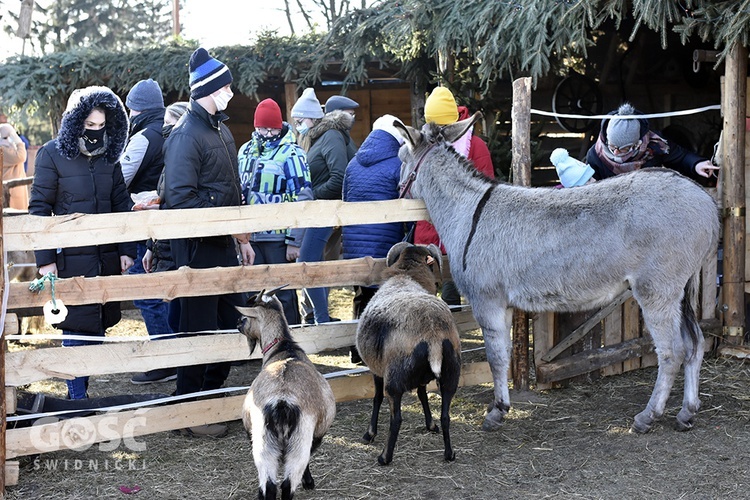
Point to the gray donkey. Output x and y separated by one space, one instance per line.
569 250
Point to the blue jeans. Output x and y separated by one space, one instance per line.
313 245
155 312
77 388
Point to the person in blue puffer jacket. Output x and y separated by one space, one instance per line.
373 175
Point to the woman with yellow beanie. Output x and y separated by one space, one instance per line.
440 108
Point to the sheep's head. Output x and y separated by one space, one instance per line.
417 143
422 263
262 309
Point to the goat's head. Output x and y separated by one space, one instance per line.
417 144
262 309
423 263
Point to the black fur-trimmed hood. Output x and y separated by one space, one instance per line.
80 105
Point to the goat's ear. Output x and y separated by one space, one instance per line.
250 312
411 136
454 131
437 255
395 252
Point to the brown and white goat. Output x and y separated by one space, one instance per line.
289 406
407 337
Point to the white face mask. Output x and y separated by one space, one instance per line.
302 128
222 99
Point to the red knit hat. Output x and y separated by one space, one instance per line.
267 115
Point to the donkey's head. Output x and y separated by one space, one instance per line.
418 143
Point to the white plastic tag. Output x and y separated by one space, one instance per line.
54 313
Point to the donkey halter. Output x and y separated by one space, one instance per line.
405 187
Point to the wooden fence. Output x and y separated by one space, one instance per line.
24 232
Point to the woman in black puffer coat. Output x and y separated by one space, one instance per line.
79 172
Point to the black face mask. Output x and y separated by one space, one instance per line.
94 139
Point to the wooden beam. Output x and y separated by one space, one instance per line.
31 365
588 361
586 327
11 395
30 232
11 326
734 351
521 165
11 472
186 282
734 110
3 348
134 423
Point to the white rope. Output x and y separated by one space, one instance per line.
135 338
628 117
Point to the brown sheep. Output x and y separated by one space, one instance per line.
407 337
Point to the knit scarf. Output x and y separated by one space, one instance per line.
651 144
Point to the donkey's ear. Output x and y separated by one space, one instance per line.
454 131
395 252
411 136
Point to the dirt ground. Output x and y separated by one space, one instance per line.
563 443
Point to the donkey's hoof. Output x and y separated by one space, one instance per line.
686 418
382 460
683 425
493 420
641 424
450 456
434 428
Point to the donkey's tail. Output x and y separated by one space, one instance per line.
691 331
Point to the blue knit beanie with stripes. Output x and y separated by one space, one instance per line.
207 75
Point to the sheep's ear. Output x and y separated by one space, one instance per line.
395 252
411 136
454 131
437 255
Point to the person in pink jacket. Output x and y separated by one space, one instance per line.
440 107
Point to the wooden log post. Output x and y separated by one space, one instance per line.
521 168
733 178
3 422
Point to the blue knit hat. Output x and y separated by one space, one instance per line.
307 106
207 75
146 94
571 172
340 102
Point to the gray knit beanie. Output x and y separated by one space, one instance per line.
623 132
146 94
307 106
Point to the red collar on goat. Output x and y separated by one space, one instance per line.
268 346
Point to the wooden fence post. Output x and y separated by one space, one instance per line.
521 168
3 405
733 178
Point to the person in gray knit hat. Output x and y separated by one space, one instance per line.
626 143
326 140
